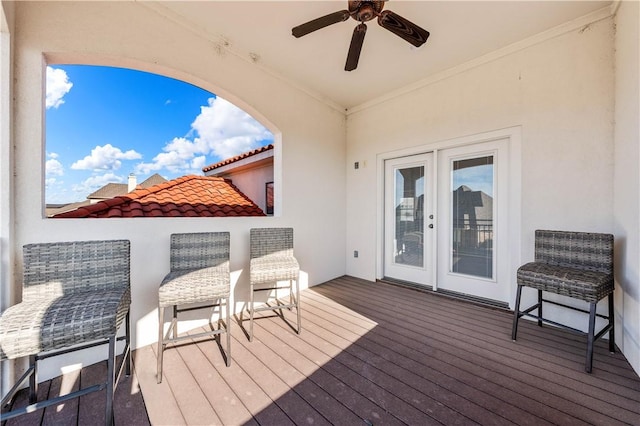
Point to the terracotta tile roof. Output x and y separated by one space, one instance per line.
186 196
237 158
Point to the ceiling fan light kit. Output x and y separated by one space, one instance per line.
364 11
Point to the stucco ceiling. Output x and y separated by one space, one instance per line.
461 31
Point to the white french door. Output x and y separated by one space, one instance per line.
409 213
473 255
459 242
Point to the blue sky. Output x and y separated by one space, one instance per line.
104 123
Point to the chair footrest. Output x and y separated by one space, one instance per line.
49 402
276 307
272 288
601 333
119 368
193 336
527 313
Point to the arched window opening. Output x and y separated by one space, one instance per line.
127 143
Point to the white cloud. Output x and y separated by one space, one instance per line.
105 157
199 162
58 85
93 183
54 168
227 130
177 158
49 182
222 130
56 191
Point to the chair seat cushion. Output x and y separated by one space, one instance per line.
590 286
194 286
48 323
270 269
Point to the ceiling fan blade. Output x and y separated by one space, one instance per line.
356 46
323 21
403 28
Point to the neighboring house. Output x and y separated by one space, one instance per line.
53 209
472 209
186 196
110 190
251 172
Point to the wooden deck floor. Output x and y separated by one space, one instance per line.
372 353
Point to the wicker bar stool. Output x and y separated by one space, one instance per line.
272 261
199 273
574 264
75 295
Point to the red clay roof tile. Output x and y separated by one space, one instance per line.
237 158
185 196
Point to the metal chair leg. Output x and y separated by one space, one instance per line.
228 331
539 308
174 322
298 304
251 313
612 334
590 336
128 343
111 378
516 314
291 294
160 343
33 380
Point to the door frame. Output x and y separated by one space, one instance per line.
514 135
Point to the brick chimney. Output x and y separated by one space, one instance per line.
132 182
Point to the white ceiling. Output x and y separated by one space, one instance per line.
460 32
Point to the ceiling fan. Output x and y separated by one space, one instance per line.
363 11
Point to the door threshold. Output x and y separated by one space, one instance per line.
447 293
415 286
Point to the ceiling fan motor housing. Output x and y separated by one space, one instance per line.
363 10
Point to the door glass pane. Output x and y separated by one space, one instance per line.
409 225
472 221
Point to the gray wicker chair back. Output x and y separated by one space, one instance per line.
583 250
76 295
65 268
271 242
199 250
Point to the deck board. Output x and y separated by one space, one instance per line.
369 353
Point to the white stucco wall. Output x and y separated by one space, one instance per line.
626 183
558 90
133 35
252 182
6 172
